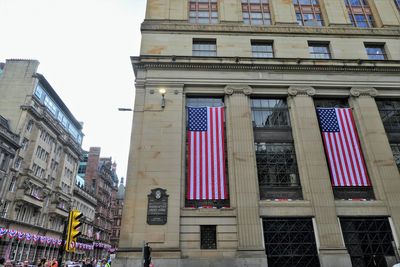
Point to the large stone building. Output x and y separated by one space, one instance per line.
100 176
270 64
117 206
38 193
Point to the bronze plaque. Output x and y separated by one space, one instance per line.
157 207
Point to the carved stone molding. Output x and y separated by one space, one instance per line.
363 91
301 90
231 89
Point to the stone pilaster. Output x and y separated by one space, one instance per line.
314 176
335 13
283 12
378 155
230 11
385 13
242 170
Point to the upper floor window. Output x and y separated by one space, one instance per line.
203 11
308 12
375 51
262 49
360 13
29 126
204 47
256 12
397 2
270 113
319 50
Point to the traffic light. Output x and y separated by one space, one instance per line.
147 255
73 231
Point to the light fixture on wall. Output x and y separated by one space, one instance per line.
162 92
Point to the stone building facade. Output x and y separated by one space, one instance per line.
38 194
117 207
270 64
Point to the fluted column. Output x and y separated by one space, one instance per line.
242 169
314 176
378 155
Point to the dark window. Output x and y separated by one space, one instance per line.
275 154
344 192
270 113
397 2
396 153
204 47
308 12
203 11
360 13
256 12
375 52
390 115
290 242
368 240
319 50
208 235
277 169
262 49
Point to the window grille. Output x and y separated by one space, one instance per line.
203 11
204 47
208 235
319 50
375 51
256 12
290 242
262 49
308 12
368 240
360 13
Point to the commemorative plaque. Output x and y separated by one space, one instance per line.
157 207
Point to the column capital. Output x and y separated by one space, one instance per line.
363 91
301 90
231 89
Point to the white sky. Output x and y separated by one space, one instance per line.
84 49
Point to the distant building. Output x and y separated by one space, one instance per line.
101 177
38 193
117 207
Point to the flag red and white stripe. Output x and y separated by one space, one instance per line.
206 154
342 147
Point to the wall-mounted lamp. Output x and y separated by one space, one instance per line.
162 92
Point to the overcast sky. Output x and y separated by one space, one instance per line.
84 49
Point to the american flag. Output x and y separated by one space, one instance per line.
342 147
206 154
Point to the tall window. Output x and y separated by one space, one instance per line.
360 13
390 115
262 49
347 168
375 51
277 170
203 11
256 12
319 50
397 2
207 182
308 12
208 236
204 47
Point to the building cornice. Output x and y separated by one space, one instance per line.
160 26
256 64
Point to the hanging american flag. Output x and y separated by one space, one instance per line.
342 147
206 154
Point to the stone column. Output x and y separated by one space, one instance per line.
242 171
385 13
314 176
335 13
378 155
283 12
